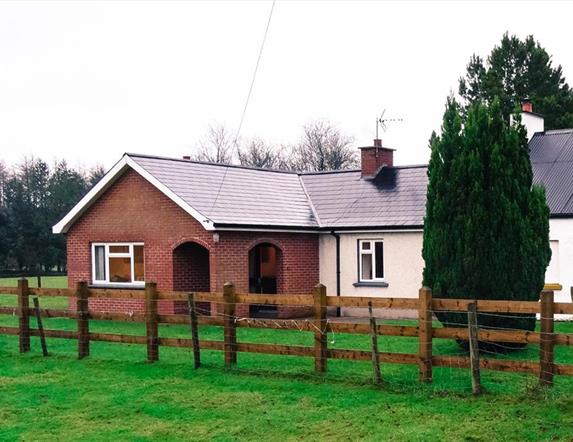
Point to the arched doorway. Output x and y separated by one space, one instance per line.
191 273
264 265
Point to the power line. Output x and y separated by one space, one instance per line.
246 103
255 72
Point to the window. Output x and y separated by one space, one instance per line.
370 260
118 264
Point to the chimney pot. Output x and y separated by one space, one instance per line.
377 142
527 106
186 157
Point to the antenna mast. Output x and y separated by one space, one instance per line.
381 122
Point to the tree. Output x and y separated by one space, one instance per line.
516 70
95 174
65 188
486 230
4 232
33 198
26 208
323 147
257 153
217 146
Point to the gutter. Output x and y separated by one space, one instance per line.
337 236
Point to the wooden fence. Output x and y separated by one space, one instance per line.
319 324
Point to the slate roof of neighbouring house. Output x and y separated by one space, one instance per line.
551 154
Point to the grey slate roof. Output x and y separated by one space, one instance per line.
551 154
239 196
233 195
396 198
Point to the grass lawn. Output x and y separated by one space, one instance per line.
114 394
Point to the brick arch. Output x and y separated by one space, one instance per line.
271 241
191 267
280 276
192 239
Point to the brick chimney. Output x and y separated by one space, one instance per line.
527 106
532 121
374 157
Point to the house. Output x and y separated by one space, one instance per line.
193 226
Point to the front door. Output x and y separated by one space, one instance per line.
263 277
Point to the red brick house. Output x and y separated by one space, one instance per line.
193 226
132 227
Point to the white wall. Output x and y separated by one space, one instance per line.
561 265
533 123
403 265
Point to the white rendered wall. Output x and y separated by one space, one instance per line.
403 265
561 265
533 123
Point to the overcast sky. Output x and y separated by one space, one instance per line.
87 81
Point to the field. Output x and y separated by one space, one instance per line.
114 394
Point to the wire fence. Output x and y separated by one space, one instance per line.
230 311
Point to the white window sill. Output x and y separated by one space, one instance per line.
125 285
370 284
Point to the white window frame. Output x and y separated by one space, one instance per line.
108 255
372 252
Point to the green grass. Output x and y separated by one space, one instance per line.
114 394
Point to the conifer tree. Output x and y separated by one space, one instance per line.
486 230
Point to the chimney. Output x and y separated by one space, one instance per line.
374 157
186 157
533 122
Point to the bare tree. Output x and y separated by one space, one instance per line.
258 153
323 147
217 146
4 176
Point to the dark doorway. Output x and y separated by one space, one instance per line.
191 273
263 272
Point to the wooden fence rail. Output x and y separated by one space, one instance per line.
319 325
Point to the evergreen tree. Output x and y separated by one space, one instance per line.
516 70
486 230
95 174
65 188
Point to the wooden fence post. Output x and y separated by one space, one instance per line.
425 334
320 337
83 319
194 330
24 315
474 347
151 322
40 326
374 342
547 339
230 330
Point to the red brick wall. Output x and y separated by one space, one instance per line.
134 210
373 158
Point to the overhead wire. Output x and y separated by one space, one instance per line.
246 101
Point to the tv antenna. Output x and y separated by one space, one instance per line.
382 122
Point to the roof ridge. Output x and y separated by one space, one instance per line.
555 131
309 199
209 163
